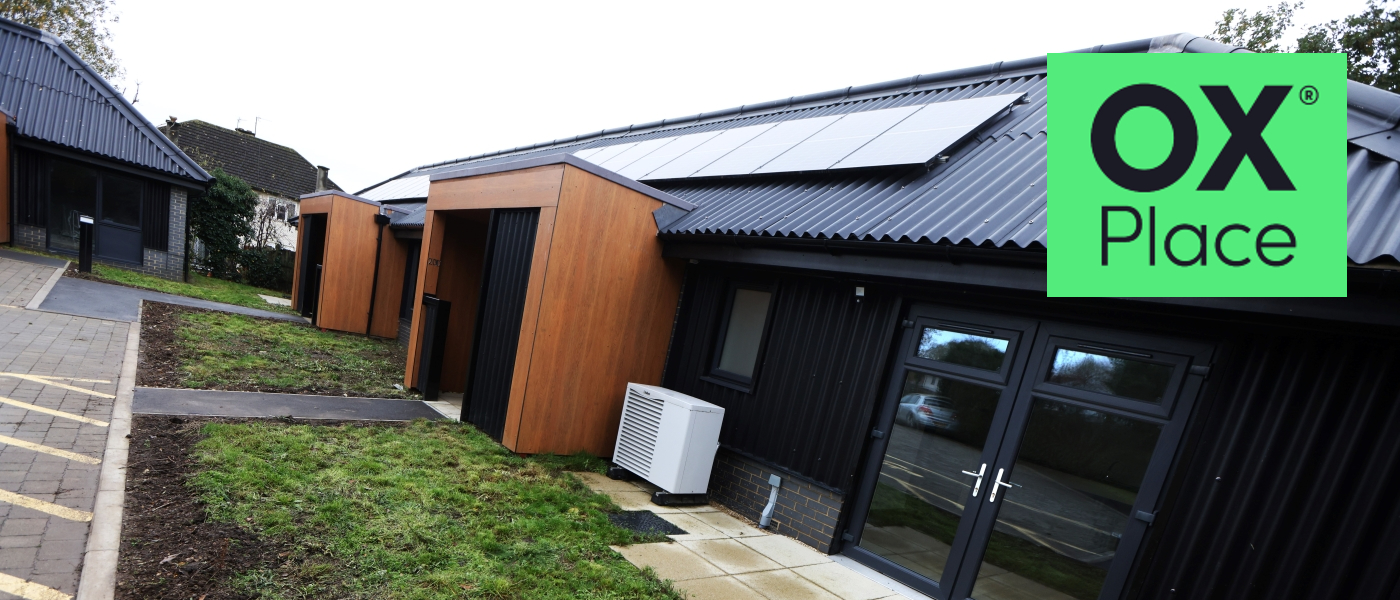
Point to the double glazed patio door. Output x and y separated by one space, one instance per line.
1016 458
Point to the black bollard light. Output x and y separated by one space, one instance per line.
84 244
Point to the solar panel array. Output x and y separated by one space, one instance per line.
907 135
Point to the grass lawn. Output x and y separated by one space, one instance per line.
424 510
204 288
194 348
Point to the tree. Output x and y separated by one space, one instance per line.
221 219
1370 39
1259 32
81 24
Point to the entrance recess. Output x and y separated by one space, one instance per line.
1016 458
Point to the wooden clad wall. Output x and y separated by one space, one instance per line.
468 199
4 182
388 296
317 205
348 273
604 318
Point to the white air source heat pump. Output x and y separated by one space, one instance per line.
669 439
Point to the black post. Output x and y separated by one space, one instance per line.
84 243
381 220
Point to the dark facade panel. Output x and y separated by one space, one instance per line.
1289 490
818 377
510 248
31 180
155 216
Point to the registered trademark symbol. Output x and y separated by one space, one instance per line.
1308 95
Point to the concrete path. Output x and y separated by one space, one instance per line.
33 259
214 403
98 300
720 557
58 383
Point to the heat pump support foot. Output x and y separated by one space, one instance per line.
669 499
620 474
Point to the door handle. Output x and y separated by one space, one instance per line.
998 485
978 475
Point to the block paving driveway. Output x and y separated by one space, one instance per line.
58 380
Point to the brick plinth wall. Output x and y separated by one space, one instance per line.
805 512
167 265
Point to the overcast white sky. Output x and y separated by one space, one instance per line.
373 89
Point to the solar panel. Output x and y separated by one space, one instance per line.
767 146
677 146
837 140
928 132
587 152
630 155
607 152
709 151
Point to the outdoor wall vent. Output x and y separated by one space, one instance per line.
668 439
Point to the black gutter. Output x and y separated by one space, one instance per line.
1029 257
381 220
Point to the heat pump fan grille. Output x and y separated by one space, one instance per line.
641 425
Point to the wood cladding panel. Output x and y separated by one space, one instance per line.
389 293
4 182
319 204
459 282
348 272
428 260
537 186
605 316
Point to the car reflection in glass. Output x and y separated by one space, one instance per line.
925 411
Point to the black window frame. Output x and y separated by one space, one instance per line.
735 381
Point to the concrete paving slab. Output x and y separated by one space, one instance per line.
670 561
786 585
717 588
215 403
94 299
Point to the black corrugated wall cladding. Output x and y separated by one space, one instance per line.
818 378
30 188
1290 491
510 250
155 216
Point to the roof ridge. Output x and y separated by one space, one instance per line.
236 132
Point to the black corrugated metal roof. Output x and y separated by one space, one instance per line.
991 193
55 97
268 167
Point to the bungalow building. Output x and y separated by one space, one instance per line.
73 145
877 329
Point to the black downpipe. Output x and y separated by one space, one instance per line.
382 220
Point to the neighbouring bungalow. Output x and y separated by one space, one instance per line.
73 145
868 305
279 175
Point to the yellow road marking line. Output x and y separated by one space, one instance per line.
50 411
5 439
72 514
50 381
29 590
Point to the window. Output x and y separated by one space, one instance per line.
279 210
741 335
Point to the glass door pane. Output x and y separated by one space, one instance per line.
72 192
1074 482
941 427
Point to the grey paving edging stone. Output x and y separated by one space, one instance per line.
48 287
99 577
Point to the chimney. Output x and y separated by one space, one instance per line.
322 178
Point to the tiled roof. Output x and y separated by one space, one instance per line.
268 167
55 97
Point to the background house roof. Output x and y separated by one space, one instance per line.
268 167
55 97
990 193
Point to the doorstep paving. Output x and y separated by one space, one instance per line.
99 300
721 557
58 379
217 403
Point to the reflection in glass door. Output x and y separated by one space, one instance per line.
1013 473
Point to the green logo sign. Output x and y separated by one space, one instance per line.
1194 175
